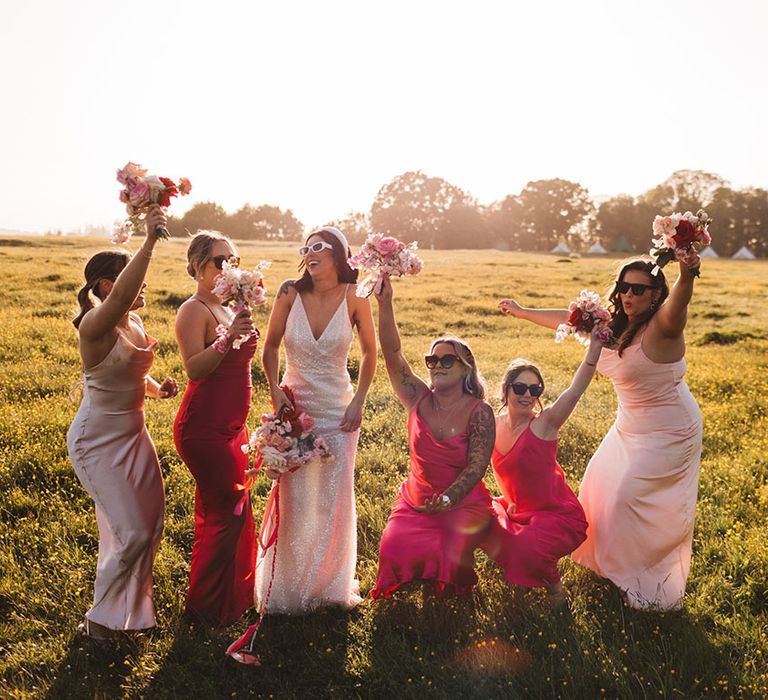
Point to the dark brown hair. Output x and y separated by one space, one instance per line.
343 270
107 264
513 371
623 330
474 383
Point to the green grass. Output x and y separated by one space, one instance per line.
501 643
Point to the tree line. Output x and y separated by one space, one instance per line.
438 214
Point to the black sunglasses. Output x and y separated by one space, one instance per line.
519 388
446 361
637 289
218 260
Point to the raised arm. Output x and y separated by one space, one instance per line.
553 417
673 314
549 318
270 355
100 321
366 336
407 386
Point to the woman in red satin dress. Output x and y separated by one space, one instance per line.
209 431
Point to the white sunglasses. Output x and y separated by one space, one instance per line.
315 248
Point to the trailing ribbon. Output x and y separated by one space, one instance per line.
241 650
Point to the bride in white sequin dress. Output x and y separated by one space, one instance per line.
317 534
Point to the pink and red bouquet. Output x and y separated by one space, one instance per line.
585 314
139 191
242 289
285 441
677 236
384 255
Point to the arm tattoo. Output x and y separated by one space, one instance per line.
284 287
407 383
482 435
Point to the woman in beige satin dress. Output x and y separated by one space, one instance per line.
112 453
639 489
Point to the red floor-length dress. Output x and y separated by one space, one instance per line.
209 432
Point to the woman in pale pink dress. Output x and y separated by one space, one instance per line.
442 510
639 489
108 442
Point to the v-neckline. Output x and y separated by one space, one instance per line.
514 444
327 325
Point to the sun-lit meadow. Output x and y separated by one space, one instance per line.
500 643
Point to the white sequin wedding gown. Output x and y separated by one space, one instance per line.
317 535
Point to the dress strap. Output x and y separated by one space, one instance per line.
207 307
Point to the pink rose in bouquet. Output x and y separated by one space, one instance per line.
384 255
586 312
139 191
242 289
678 236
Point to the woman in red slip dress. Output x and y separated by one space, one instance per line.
209 431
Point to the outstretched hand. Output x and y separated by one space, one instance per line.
509 307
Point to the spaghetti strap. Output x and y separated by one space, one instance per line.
207 307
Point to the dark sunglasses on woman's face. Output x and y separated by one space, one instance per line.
218 260
315 248
534 389
637 289
446 361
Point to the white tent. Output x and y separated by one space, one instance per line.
708 252
561 248
743 253
596 249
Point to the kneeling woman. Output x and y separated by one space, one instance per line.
538 517
443 509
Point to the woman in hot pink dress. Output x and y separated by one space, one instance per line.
538 517
639 489
443 509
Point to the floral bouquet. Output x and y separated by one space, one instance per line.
243 289
141 190
677 236
285 440
586 313
384 255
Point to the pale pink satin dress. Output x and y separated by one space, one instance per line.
115 460
639 489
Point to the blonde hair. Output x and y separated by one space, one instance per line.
199 249
474 383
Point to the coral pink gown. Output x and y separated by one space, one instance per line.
115 460
639 489
548 522
437 547
209 431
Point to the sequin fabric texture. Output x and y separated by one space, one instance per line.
317 536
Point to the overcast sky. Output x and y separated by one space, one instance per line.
314 106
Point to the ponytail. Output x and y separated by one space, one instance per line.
86 304
107 264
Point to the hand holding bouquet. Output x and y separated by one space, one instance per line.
285 441
680 236
139 191
384 255
243 289
586 313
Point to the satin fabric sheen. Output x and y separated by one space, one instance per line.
435 547
548 522
209 432
115 460
639 489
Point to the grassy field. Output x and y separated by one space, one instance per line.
501 643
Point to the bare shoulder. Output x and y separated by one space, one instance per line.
191 308
287 290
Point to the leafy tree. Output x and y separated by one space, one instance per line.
502 222
414 206
551 210
356 226
683 190
202 216
265 222
739 217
